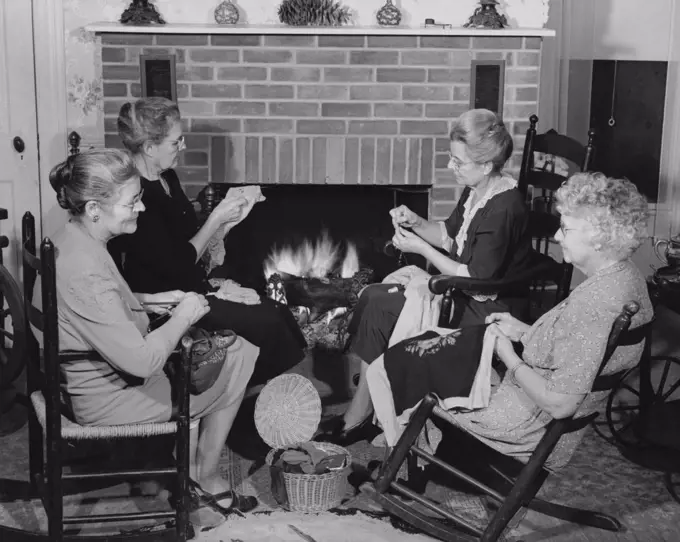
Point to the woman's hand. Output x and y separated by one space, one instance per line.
510 326
192 308
407 241
504 347
403 216
230 210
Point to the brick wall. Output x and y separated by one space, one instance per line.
322 109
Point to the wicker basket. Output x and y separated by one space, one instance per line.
316 492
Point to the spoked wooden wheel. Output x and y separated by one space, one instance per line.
623 406
12 329
672 481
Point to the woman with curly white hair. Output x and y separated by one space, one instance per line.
603 222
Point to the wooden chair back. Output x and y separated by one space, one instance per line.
538 186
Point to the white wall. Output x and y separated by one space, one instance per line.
631 29
618 29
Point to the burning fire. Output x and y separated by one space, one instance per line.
313 260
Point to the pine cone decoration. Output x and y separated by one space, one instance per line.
389 15
226 13
313 13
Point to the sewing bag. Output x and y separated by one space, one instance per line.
209 351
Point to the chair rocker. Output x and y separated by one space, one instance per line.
50 428
512 484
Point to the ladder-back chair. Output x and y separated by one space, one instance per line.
50 426
538 185
507 483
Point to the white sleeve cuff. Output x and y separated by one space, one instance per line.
446 241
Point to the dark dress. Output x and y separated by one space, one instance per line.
159 257
498 244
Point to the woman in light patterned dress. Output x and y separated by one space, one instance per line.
603 222
485 237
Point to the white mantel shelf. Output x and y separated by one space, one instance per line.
349 30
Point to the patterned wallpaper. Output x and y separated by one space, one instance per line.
83 59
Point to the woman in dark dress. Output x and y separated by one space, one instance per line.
485 237
165 251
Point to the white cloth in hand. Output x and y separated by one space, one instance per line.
230 290
215 252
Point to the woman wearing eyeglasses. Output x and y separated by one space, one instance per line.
98 311
165 251
485 237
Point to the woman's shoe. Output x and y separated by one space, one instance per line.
335 433
240 504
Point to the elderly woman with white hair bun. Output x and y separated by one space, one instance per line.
603 222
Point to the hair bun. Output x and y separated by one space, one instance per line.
60 178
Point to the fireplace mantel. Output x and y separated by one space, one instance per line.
281 29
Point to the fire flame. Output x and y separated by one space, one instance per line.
313 260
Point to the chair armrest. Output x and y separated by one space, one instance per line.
541 266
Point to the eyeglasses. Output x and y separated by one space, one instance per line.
179 143
134 203
564 229
456 164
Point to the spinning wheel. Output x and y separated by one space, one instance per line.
623 405
12 346
12 335
623 408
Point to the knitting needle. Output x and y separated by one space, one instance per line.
144 308
302 535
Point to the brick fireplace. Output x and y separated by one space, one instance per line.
331 106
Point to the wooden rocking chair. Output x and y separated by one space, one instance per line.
512 484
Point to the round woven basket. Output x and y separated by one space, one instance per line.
316 492
287 411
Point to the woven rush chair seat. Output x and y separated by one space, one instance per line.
71 430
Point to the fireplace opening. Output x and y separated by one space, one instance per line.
350 224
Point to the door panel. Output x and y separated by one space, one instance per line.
19 183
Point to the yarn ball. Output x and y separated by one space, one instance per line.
226 13
389 15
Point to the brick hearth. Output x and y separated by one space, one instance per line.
367 109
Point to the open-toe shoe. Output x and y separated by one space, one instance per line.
239 503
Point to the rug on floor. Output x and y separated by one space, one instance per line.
598 478
294 527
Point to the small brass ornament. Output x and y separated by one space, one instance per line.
389 14
226 13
